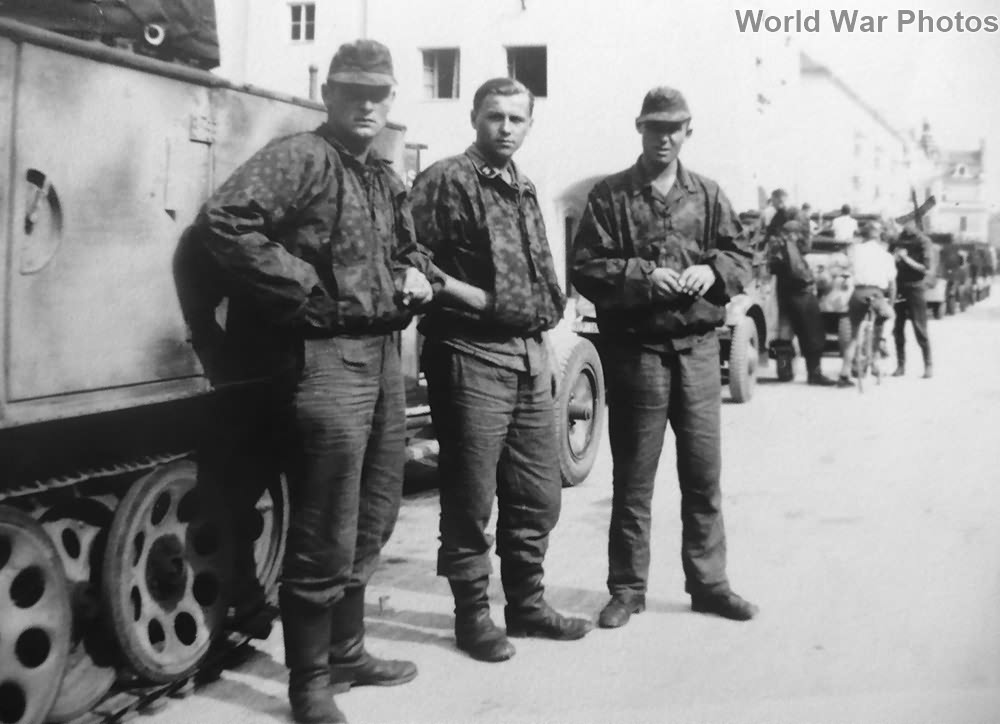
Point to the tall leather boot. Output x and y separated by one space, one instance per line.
352 665
527 612
475 632
307 648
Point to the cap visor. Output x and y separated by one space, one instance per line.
665 116
357 77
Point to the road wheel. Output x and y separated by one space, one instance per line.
167 571
843 333
36 619
743 357
79 531
579 407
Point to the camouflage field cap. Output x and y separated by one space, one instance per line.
664 104
363 62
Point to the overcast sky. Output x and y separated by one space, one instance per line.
950 78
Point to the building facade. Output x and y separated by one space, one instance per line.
764 115
846 151
588 66
963 209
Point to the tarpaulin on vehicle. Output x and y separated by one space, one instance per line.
170 29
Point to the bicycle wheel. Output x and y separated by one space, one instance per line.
863 355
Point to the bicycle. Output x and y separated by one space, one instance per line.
866 351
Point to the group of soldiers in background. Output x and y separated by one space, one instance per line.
889 267
314 243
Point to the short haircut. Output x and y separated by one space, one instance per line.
502 87
779 193
845 209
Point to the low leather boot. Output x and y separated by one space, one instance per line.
307 648
350 664
900 371
818 378
547 623
527 613
475 632
726 604
620 608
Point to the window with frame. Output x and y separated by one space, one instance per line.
303 21
529 64
441 73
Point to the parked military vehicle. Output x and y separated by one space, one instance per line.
831 268
116 555
752 334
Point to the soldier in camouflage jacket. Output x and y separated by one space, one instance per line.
315 242
660 252
489 377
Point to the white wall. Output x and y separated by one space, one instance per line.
256 45
837 140
602 59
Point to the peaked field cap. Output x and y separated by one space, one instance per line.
363 62
664 104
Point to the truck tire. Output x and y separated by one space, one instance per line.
743 355
579 407
843 333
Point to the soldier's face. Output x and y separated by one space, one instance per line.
356 113
662 141
501 124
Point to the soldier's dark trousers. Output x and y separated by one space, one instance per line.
648 389
252 440
497 436
911 305
803 312
346 469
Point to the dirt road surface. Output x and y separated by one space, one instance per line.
866 526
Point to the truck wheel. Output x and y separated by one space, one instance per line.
743 357
37 619
579 407
843 333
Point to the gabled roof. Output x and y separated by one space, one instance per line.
810 66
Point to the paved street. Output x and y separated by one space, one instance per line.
865 526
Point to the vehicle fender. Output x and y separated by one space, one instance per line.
737 309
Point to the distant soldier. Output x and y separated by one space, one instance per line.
808 214
776 204
490 375
316 244
660 252
845 228
788 244
913 259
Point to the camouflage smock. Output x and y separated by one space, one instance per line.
629 229
311 239
487 232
